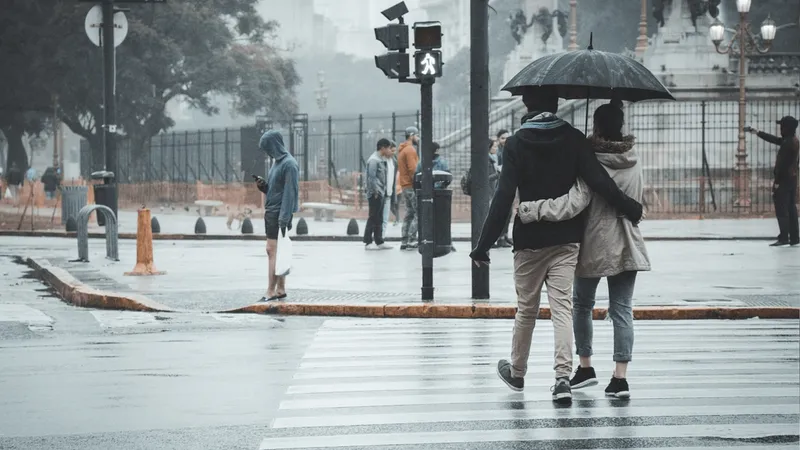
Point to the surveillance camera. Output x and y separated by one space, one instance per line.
395 12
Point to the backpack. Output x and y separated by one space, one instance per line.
466 182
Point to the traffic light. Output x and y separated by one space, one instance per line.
393 65
427 35
394 37
428 59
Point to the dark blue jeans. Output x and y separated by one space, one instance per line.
374 227
620 308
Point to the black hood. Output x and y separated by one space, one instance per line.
544 139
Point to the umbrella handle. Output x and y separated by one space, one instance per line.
586 124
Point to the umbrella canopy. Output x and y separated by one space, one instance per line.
589 74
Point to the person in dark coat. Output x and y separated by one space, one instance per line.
50 180
14 179
784 187
543 160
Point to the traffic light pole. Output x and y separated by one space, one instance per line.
426 209
479 105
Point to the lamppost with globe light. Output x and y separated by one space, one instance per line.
743 42
321 91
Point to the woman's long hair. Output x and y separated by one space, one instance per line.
608 122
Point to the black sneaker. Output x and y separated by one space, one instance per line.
779 244
584 377
504 372
618 387
794 243
562 393
403 246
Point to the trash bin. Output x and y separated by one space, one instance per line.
73 198
442 211
105 194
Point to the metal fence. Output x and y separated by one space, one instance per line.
208 156
673 140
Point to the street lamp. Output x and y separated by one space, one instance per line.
321 91
743 42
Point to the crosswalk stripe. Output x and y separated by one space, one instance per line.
537 395
388 324
654 353
535 368
490 380
496 339
529 413
373 383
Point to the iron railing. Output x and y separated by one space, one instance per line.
686 150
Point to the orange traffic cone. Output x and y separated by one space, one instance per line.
144 247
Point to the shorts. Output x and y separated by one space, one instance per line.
271 225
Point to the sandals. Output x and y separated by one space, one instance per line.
273 298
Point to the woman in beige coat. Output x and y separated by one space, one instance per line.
612 247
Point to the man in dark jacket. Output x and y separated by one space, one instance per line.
543 160
51 181
784 187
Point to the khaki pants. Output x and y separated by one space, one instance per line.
554 266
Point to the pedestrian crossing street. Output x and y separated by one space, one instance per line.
401 384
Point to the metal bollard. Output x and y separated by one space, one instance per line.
112 235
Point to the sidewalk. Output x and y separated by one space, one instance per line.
228 275
179 222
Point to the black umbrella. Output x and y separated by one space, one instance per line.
588 74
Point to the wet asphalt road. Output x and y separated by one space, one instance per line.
73 378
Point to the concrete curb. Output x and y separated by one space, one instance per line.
309 238
489 311
74 292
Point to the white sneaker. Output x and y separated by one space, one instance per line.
385 246
370 247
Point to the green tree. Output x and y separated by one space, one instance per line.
24 100
194 51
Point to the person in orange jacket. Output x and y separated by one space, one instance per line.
407 159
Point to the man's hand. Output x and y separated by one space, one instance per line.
637 212
261 184
284 227
749 130
479 258
775 186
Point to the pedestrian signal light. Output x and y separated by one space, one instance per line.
427 35
428 65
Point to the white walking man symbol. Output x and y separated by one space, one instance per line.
428 65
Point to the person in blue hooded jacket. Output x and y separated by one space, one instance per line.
281 189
